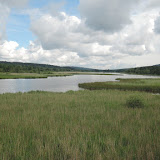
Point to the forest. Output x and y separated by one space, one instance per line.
148 70
151 70
18 67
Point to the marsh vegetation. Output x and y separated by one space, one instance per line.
79 125
145 85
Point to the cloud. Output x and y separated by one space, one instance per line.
55 32
4 12
35 53
54 8
14 3
109 16
71 34
120 36
153 4
5 8
157 25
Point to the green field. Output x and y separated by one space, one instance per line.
147 85
79 125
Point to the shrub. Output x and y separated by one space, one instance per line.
135 102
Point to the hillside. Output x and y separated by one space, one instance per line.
17 67
149 70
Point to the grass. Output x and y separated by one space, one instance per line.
45 75
135 102
146 85
79 125
21 75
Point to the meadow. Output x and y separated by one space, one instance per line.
79 125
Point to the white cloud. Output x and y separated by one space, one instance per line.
153 4
107 15
55 32
157 25
14 3
4 13
35 53
70 33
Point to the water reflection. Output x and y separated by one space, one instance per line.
57 84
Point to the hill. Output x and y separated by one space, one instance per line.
18 67
148 70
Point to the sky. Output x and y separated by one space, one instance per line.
101 34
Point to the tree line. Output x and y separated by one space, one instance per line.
18 67
151 70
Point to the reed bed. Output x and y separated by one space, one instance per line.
145 85
79 125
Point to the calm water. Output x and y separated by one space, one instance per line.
57 84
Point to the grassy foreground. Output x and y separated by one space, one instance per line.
146 85
79 125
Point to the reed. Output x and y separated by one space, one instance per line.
145 85
79 125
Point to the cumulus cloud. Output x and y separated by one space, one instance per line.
69 32
56 32
35 53
72 34
109 16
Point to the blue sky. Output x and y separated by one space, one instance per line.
18 25
18 29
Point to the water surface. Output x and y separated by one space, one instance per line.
57 84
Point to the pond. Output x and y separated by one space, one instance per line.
57 84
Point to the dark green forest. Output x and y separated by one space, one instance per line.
151 70
17 67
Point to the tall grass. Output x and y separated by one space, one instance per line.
78 125
146 85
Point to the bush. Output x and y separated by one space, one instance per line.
135 102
